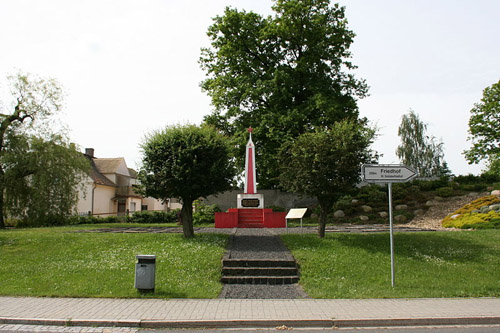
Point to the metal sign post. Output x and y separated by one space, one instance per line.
388 173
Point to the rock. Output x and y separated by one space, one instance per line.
496 192
401 207
484 209
454 216
475 211
366 209
400 218
429 203
339 214
436 198
472 194
354 201
314 216
495 207
383 214
490 188
419 212
364 218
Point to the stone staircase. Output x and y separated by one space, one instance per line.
259 271
250 218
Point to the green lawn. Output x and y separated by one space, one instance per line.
58 262
432 264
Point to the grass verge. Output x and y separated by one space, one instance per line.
57 262
439 264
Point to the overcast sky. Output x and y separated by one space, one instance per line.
130 67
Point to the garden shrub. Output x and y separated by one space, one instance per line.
372 193
445 192
465 212
153 216
475 220
204 213
277 208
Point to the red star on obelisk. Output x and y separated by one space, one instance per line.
250 175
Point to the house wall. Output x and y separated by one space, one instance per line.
123 169
102 200
154 204
131 202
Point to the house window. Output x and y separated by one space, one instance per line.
144 207
132 206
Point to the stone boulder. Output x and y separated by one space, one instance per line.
419 212
401 207
400 218
366 209
496 192
495 207
339 214
383 214
429 203
364 218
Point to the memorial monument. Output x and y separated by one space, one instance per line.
250 211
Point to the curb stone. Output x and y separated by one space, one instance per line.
251 323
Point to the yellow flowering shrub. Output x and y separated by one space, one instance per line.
466 218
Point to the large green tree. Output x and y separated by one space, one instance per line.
284 75
484 127
39 169
419 150
186 162
326 164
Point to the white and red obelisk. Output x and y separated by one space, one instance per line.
250 198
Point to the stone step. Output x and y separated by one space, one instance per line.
250 224
258 263
259 271
260 279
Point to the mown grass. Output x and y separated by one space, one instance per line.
59 262
440 264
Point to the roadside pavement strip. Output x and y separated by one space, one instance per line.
245 313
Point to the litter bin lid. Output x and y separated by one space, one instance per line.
146 256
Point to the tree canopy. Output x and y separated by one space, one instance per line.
186 162
39 169
484 127
419 150
326 164
283 75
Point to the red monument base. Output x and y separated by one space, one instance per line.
250 218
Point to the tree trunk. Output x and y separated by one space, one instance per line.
322 218
187 218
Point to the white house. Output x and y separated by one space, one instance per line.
110 189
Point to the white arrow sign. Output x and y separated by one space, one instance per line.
387 173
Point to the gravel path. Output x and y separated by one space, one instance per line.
260 244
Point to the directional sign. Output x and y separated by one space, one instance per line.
387 173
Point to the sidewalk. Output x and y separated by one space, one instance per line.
239 313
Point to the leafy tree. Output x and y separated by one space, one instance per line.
39 169
418 150
186 162
484 126
326 164
283 75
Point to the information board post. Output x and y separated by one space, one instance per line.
388 174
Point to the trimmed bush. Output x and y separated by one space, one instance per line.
153 216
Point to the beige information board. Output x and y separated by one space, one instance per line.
296 213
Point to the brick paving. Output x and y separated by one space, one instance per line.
191 313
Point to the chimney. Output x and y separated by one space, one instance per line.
89 152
